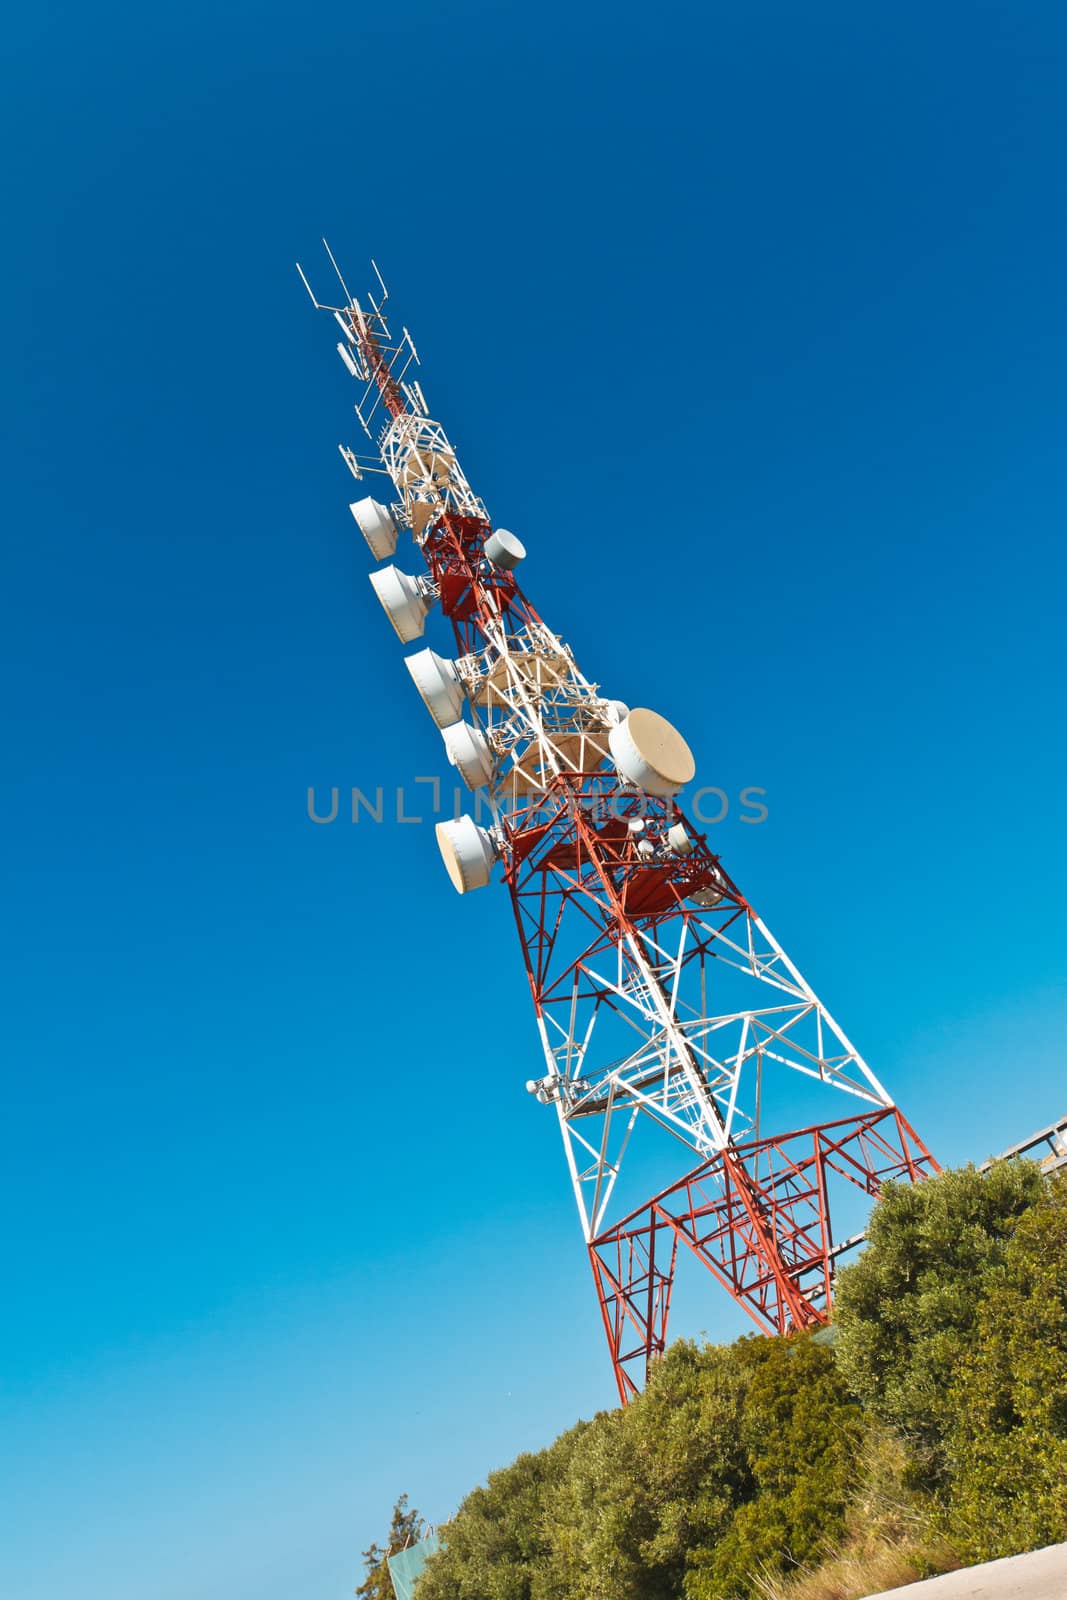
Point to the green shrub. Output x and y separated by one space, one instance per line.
905 1312
790 1468
1006 1451
801 1432
648 1485
495 1546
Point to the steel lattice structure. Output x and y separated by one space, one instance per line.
667 1011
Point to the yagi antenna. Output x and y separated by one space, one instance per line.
336 268
307 286
318 304
351 303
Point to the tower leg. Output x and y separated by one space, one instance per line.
757 1216
633 1286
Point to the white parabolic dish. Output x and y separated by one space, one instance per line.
469 754
375 523
437 681
467 852
504 549
402 601
651 753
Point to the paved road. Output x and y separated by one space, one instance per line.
1040 1575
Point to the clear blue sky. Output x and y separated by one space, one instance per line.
751 321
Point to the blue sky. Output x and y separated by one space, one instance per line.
751 322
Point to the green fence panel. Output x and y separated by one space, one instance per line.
405 1567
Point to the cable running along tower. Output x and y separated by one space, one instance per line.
711 1109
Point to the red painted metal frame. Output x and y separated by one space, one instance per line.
571 849
757 1216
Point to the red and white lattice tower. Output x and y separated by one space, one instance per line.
675 1030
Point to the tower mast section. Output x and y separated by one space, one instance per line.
669 1016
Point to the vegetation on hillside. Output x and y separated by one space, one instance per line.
932 1431
406 1528
905 1313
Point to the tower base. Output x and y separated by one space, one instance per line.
757 1215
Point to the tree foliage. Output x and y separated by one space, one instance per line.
937 1419
800 1432
650 1485
905 1313
731 1454
405 1528
496 1546
1006 1450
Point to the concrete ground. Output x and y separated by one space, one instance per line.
1039 1575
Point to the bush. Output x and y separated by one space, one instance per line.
1006 1451
496 1545
891 1533
731 1456
790 1470
800 1432
905 1312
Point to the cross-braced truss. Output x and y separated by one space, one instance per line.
653 1007
757 1215
678 1038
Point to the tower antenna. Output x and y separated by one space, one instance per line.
348 298
710 1106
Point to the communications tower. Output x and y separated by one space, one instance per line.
711 1109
